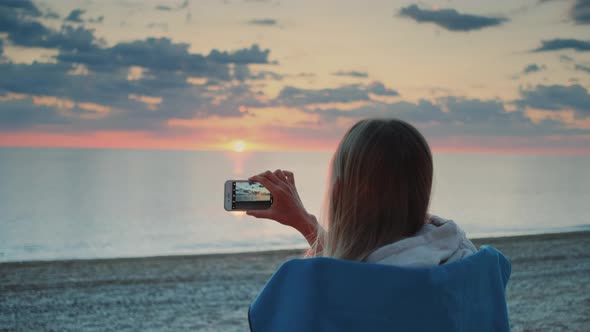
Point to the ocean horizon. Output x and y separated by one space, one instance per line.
65 203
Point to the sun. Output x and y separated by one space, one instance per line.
239 146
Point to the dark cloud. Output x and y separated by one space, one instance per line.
352 73
51 15
292 96
20 113
162 54
573 80
583 68
562 44
422 111
263 21
86 71
250 55
52 79
557 98
178 99
266 75
1 49
533 68
99 19
75 15
580 12
450 19
21 7
379 88
476 111
23 30
565 58
20 28
461 116
168 8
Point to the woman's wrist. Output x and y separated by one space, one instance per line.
307 225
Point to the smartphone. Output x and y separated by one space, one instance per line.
243 195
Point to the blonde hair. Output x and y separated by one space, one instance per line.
379 189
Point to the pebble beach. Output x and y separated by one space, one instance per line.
549 289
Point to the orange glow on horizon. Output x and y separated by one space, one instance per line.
271 142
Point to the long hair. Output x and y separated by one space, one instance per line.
379 189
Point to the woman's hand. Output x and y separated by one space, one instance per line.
287 207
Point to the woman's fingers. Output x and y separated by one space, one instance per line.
267 214
281 175
264 181
272 177
290 176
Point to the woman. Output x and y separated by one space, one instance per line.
377 202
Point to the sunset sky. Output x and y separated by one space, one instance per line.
294 75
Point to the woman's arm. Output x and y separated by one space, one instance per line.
287 207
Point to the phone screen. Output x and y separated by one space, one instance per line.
247 195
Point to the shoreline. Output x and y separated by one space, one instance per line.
289 251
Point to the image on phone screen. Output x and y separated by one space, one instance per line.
247 195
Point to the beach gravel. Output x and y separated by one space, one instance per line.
549 289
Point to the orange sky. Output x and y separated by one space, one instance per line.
284 77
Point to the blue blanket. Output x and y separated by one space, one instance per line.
326 294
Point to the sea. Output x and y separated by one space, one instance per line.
59 204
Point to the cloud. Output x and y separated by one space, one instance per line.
159 25
352 73
450 115
562 44
24 30
450 19
492 113
21 7
379 89
168 8
75 15
99 19
580 12
529 69
533 68
292 96
162 54
583 68
557 98
131 101
565 58
422 111
263 21
92 78
265 75
243 56
51 15
20 113
79 45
